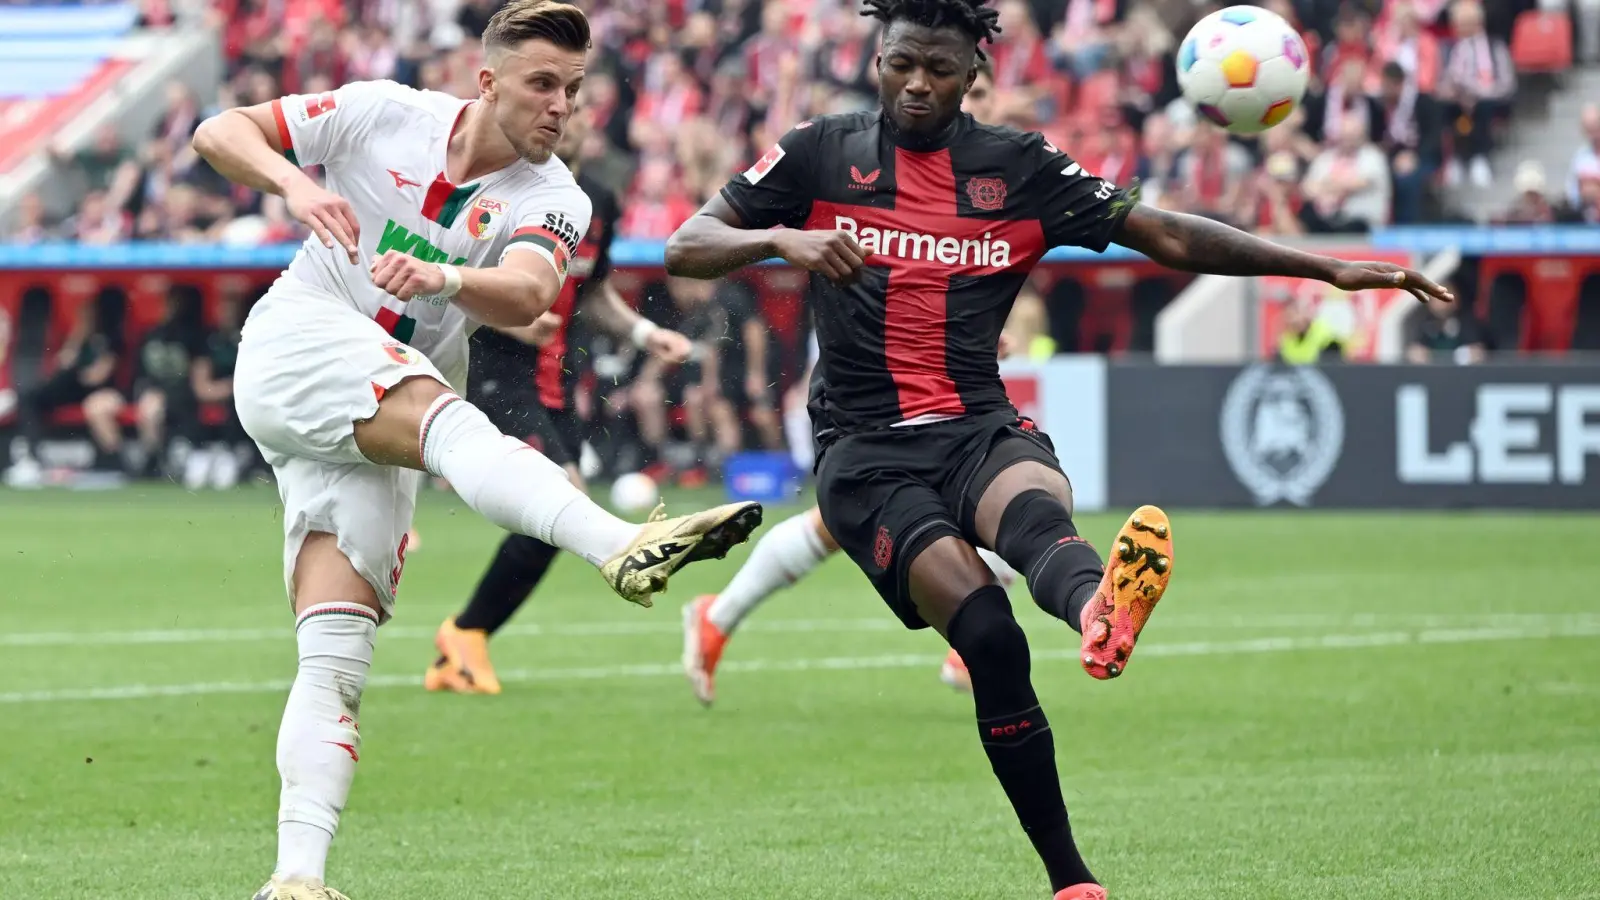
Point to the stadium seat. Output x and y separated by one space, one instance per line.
1541 42
1507 310
1586 323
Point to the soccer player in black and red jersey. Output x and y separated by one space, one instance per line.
523 379
919 226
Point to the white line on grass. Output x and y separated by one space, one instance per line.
1291 621
1276 644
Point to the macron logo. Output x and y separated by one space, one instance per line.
931 247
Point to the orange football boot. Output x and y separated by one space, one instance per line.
1082 892
1136 576
954 672
702 649
463 664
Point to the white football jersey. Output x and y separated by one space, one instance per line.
382 147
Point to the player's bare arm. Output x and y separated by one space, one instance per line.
715 241
243 144
1196 244
510 295
615 317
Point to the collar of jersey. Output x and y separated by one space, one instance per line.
917 144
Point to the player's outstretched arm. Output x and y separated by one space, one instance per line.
1196 244
715 241
244 144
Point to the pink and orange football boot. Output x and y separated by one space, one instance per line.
1136 576
702 649
1082 892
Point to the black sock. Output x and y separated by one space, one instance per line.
1037 537
1015 733
514 572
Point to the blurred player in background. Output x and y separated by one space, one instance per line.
793 548
919 226
439 213
523 379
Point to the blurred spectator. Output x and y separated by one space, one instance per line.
658 204
160 395
32 222
1411 138
1348 183
1531 206
214 448
82 373
105 165
1476 84
1272 201
1022 68
1402 41
1587 155
98 221
1305 338
1209 174
1081 43
1587 208
1345 99
1442 332
1352 43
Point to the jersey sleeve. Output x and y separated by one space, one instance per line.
1077 208
608 215
317 129
551 223
777 189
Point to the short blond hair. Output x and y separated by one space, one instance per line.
562 24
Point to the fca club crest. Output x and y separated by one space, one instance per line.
483 216
987 193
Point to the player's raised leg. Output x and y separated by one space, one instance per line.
1025 512
422 424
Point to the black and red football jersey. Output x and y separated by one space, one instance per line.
554 375
953 229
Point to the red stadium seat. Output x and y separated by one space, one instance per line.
1541 42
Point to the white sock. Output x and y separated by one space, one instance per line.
797 430
784 555
515 486
318 744
1001 569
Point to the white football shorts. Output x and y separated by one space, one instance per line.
309 368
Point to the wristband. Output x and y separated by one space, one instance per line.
642 330
452 280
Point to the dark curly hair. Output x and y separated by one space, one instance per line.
975 18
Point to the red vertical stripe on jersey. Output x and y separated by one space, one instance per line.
915 313
552 361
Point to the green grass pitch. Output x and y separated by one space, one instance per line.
1326 706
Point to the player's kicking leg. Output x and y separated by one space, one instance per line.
1026 514
422 424
788 552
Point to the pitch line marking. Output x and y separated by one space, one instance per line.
1307 621
1275 644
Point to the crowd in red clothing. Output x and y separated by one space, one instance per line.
1406 99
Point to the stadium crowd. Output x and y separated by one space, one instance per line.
1407 97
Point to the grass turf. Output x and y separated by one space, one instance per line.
1326 706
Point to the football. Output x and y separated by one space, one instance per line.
1244 68
634 492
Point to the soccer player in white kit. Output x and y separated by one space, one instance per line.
439 214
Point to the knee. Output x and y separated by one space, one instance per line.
102 406
152 408
986 634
